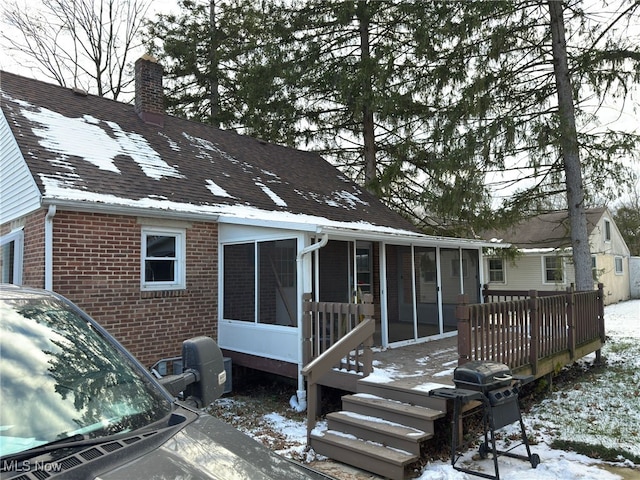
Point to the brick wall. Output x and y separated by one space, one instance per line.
97 266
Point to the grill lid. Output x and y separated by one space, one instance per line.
482 374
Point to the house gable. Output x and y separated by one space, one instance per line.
19 194
548 235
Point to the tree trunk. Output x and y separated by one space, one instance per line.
570 152
368 126
214 96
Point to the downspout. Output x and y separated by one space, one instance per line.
299 401
48 248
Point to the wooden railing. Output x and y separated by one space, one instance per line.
533 332
325 323
337 336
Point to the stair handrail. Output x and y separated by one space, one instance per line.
362 334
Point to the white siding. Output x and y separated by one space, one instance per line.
19 193
526 273
528 270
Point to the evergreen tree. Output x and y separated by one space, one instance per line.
215 57
432 105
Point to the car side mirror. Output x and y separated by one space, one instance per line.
203 377
202 356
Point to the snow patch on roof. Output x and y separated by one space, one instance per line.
172 144
339 199
217 190
205 146
272 195
85 138
348 199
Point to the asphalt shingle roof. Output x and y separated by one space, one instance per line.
92 149
548 230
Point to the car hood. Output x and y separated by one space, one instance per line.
207 448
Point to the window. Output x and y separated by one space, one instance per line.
553 270
259 282
594 268
619 267
496 270
11 257
607 231
163 259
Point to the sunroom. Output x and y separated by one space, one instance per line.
415 281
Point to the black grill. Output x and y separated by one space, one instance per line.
496 389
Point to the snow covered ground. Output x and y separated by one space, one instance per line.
603 408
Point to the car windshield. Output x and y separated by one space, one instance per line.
60 377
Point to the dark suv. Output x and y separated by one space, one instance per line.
76 404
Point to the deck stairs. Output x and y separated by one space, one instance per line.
381 429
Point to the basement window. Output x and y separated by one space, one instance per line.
163 259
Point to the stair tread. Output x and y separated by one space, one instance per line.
349 442
395 405
380 425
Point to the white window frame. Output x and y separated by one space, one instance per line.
17 238
502 269
179 272
544 270
618 261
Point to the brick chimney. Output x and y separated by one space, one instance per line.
149 99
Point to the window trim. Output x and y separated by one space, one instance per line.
545 281
179 282
17 238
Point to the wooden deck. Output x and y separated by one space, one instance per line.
388 419
416 366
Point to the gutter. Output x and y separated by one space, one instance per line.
299 401
48 248
313 247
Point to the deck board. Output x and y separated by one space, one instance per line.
417 365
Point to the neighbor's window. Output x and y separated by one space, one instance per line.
496 270
594 268
163 259
11 257
553 270
607 231
619 268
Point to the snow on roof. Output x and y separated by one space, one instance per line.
86 139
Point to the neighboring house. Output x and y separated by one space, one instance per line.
164 228
545 255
